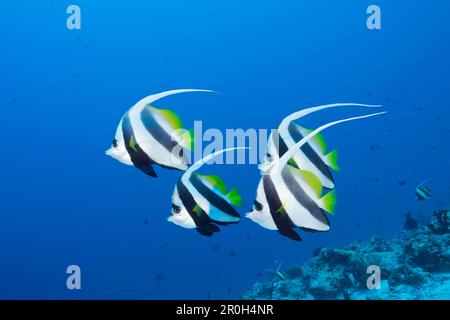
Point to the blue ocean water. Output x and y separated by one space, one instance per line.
62 92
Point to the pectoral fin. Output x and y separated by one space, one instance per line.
132 144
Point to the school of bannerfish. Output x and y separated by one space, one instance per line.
296 189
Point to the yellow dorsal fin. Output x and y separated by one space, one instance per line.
217 182
318 138
171 117
311 179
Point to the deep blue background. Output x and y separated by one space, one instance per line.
63 92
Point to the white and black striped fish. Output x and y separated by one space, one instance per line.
148 136
288 197
202 202
423 192
312 156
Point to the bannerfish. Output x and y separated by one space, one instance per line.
148 136
423 192
312 156
202 202
288 197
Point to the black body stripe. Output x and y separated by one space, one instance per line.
426 192
157 132
279 143
282 221
420 196
139 158
300 195
212 197
310 153
189 203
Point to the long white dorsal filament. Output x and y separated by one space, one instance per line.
207 158
279 163
302 113
424 183
150 99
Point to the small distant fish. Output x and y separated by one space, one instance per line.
202 202
281 275
375 147
402 183
288 197
215 247
232 253
146 221
159 277
278 273
374 179
148 136
423 192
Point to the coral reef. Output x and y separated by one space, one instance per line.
414 265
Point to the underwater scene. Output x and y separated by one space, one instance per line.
225 150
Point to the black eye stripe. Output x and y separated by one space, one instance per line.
176 208
258 206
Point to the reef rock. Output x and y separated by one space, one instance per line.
414 265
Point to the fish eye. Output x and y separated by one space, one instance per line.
176 209
115 143
258 206
269 157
